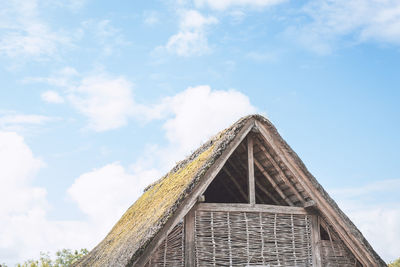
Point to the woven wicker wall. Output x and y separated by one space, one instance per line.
170 253
334 252
252 239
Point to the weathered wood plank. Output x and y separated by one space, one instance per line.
273 183
315 241
250 208
250 157
281 174
258 184
189 238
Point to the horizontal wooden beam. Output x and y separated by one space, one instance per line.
355 246
250 208
280 171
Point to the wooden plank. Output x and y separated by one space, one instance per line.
351 242
265 191
250 157
189 238
258 184
315 241
236 207
281 174
191 200
273 183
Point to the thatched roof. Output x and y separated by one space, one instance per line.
128 239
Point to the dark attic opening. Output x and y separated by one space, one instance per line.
231 183
273 186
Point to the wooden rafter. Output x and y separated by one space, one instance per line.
273 183
281 174
269 178
341 227
260 186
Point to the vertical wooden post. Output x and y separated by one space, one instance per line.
189 238
316 241
250 156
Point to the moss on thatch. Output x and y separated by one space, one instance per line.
150 212
146 217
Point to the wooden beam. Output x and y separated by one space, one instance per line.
190 200
250 157
311 207
250 208
340 226
244 195
316 241
259 185
265 191
281 174
273 183
189 238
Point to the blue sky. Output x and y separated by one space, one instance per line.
99 99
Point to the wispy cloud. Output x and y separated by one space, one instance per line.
328 24
225 4
23 33
150 17
192 36
22 123
366 205
52 97
104 99
105 36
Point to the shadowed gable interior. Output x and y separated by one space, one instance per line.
242 199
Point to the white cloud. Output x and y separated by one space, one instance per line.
366 206
199 112
380 225
104 35
24 33
106 101
193 116
17 196
331 22
263 56
193 20
151 17
52 97
104 194
188 43
12 121
191 38
225 4
25 229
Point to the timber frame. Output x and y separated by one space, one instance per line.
274 181
320 202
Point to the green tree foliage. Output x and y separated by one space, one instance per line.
64 258
396 263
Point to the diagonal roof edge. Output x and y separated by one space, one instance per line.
139 225
352 230
122 247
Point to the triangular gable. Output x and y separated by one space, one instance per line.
220 166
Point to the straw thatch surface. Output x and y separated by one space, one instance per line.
125 243
149 213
